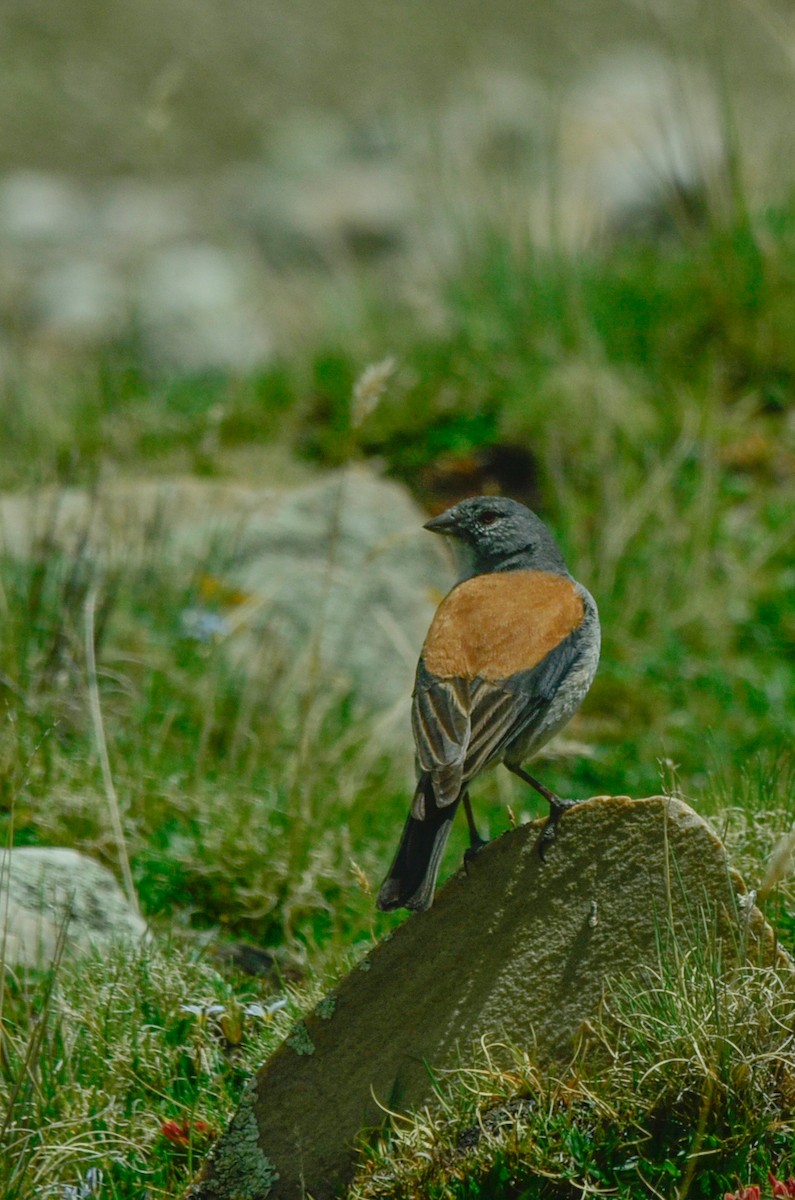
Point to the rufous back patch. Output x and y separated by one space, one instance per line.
493 626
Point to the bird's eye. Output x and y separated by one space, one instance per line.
489 517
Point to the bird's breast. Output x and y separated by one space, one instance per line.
492 626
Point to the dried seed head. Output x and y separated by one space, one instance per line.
779 864
369 388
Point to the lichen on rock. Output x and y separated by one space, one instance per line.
300 1041
237 1168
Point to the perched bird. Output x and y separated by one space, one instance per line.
509 657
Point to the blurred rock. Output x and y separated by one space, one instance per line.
197 309
37 207
49 896
309 139
260 206
513 952
494 123
82 300
136 214
359 211
324 213
208 272
641 148
341 584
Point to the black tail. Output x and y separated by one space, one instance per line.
412 876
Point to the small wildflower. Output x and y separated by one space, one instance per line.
257 1010
181 1133
202 1010
201 625
265 1010
744 1193
783 1189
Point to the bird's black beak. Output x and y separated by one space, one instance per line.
445 523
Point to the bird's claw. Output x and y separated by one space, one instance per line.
472 851
557 807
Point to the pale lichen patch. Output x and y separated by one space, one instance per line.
300 1041
237 1169
325 1009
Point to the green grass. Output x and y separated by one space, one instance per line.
117 1048
651 387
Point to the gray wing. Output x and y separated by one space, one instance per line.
462 726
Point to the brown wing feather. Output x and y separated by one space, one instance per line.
460 727
440 720
496 715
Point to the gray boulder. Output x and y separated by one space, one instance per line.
198 309
343 585
516 951
48 896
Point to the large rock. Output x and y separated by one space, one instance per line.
516 950
344 583
51 897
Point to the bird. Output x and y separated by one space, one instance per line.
509 657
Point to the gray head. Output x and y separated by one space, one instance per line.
493 533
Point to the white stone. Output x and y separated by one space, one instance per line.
336 576
197 309
632 132
36 206
80 299
50 896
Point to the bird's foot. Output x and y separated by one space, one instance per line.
557 807
473 849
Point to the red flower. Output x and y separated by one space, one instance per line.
783 1189
182 1132
752 1192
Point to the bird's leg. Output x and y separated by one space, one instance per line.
476 842
557 807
